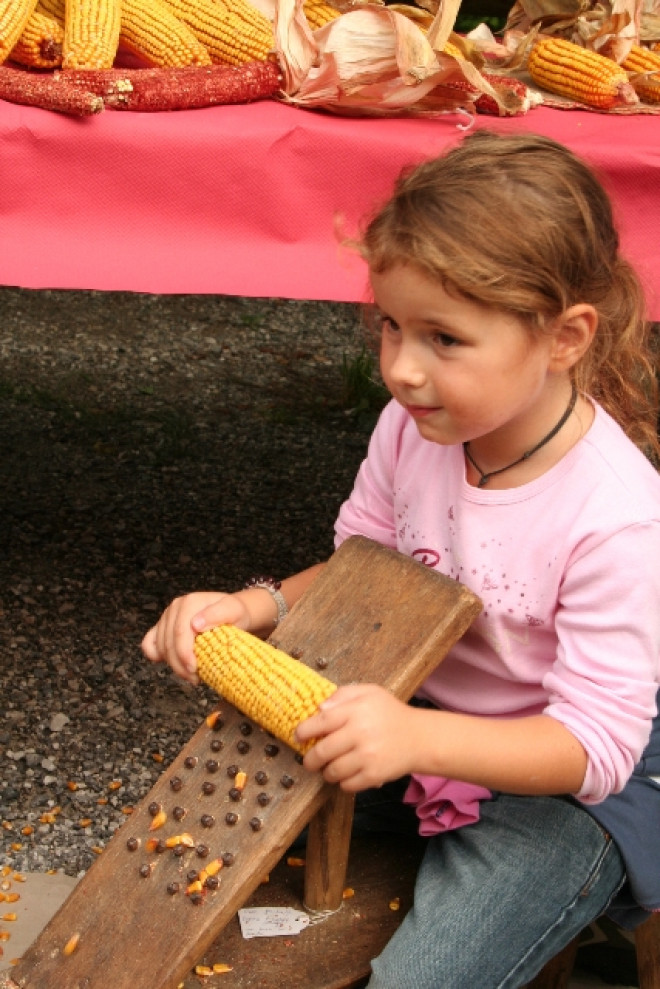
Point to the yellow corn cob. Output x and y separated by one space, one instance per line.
14 15
319 13
422 18
150 29
91 33
40 44
581 74
642 60
232 30
266 684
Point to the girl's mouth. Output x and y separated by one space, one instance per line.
420 411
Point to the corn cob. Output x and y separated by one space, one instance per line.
47 92
40 44
183 88
514 95
14 15
151 30
319 13
422 18
91 33
232 30
272 688
581 74
643 60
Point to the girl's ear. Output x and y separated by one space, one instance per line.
573 333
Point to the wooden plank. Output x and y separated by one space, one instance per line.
372 615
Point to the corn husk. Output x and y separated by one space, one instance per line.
377 61
609 27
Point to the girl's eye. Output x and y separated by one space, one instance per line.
446 340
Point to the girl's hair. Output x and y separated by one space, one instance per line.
520 224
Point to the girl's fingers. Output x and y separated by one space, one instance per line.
149 647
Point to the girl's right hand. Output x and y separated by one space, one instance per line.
171 640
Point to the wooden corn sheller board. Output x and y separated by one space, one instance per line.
373 615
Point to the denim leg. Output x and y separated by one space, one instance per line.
495 900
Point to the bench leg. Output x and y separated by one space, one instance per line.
326 857
647 946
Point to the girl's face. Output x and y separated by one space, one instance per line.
463 371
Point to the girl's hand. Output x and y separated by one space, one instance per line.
172 638
365 738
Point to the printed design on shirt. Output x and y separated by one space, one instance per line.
429 557
503 596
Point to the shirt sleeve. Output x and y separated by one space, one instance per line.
604 682
369 510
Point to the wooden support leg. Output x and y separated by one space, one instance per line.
326 859
647 945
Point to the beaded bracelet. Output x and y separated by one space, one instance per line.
273 587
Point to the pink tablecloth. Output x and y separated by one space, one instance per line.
243 200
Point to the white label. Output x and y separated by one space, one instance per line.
271 921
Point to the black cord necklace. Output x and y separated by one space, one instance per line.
485 478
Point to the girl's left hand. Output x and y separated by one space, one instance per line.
364 738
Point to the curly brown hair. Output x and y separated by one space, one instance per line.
519 223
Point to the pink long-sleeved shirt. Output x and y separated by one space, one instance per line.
567 567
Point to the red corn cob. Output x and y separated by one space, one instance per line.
184 88
46 92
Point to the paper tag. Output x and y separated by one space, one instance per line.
271 921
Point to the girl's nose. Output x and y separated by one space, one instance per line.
407 369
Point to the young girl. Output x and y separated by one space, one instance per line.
511 458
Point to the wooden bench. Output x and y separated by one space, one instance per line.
372 615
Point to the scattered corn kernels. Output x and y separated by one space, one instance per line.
180 839
221 967
9 917
114 785
158 820
71 945
348 893
296 863
203 970
395 904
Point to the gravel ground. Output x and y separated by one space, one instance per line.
149 445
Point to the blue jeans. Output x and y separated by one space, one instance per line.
495 900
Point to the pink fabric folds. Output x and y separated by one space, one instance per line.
443 804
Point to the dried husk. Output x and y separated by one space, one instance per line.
610 28
376 61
